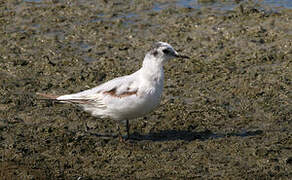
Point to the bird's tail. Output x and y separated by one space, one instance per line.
47 96
52 97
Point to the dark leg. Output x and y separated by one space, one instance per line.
128 129
119 132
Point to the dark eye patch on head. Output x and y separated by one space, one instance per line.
167 51
155 53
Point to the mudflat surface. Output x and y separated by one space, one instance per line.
225 113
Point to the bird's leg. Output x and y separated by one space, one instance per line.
128 128
119 132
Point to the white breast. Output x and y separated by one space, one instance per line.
148 97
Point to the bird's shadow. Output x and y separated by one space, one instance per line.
173 135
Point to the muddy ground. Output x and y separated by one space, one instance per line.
225 113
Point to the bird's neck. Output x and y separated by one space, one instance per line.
152 69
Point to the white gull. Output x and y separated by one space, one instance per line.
130 96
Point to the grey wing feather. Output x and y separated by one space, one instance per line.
121 84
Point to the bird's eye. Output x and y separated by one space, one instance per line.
166 51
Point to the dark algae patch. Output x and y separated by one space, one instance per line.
225 114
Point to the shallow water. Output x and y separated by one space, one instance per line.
222 5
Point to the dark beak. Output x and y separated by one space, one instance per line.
175 54
182 56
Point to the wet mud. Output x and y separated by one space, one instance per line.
225 113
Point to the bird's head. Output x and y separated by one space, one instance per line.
162 52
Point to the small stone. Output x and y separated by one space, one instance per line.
289 160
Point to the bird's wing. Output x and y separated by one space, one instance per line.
116 88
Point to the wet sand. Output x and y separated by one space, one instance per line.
225 113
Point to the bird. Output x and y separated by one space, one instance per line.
127 97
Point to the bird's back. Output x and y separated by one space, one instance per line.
126 97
